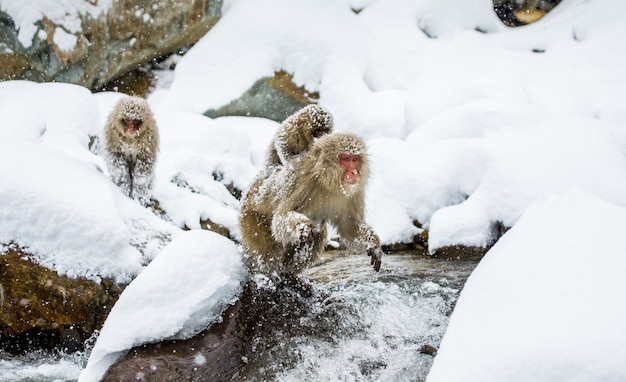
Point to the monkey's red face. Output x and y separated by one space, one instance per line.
350 164
132 126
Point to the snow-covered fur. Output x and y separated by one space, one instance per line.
130 154
296 134
284 213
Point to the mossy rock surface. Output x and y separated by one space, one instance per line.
274 98
41 309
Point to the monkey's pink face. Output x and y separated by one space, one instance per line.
131 126
350 164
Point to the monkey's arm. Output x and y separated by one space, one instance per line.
119 171
361 237
142 180
292 228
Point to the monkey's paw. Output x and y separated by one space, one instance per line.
376 256
304 247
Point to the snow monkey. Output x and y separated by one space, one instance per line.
296 134
131 143
284 213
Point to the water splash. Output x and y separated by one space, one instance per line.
363 325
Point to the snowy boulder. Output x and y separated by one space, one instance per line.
182 291
58 204
545 304
274 98
235 347
91 43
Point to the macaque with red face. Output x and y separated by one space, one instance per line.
131 144
284 213
350 163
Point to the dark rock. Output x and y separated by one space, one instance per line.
472 253
129 35
41 309
227 350
210 225
275 98
460 252
515 13
428 349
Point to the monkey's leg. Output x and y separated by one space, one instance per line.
119 172
141 176
261 252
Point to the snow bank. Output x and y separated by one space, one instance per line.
55 201
545 302
199 157
58 203
182 291
467 121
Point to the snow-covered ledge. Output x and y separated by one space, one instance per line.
546 303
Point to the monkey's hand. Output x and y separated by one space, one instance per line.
369 240
376 255
304 246
304 231
292 228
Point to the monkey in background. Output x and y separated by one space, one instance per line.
131 144
283 214
296 134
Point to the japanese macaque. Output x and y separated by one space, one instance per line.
296 134
284 213
131 144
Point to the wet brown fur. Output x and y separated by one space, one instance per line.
284 213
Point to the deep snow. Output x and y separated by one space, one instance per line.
468 123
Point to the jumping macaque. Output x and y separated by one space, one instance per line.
296 134
131 144
284 213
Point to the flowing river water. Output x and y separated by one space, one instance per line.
368 327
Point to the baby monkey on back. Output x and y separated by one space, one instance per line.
296 134
131 143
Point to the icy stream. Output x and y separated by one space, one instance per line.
370 327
